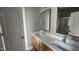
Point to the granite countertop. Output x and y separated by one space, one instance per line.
51 42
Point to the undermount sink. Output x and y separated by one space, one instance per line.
44 37
62 45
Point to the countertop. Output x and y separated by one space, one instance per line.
50 39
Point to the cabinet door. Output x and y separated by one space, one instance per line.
36 43
48 49
33 42
44 47
39 45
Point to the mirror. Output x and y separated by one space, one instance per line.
62 21
45 20
68 21
74 24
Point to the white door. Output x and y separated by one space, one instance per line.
14 25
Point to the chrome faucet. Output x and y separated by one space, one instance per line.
64 40
44 30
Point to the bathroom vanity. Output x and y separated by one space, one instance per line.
39 45
52 42
43 42
66 34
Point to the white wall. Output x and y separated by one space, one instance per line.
32 19
53 19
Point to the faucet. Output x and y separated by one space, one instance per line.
44 30
64 40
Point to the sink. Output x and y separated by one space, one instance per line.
39 33
62 45
44 37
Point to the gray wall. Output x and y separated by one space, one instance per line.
32 19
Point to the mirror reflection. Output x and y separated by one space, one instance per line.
45 20
67 20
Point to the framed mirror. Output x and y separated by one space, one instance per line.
62 21
45 20
68 21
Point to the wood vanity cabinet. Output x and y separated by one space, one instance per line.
44 47
38 45
35 43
